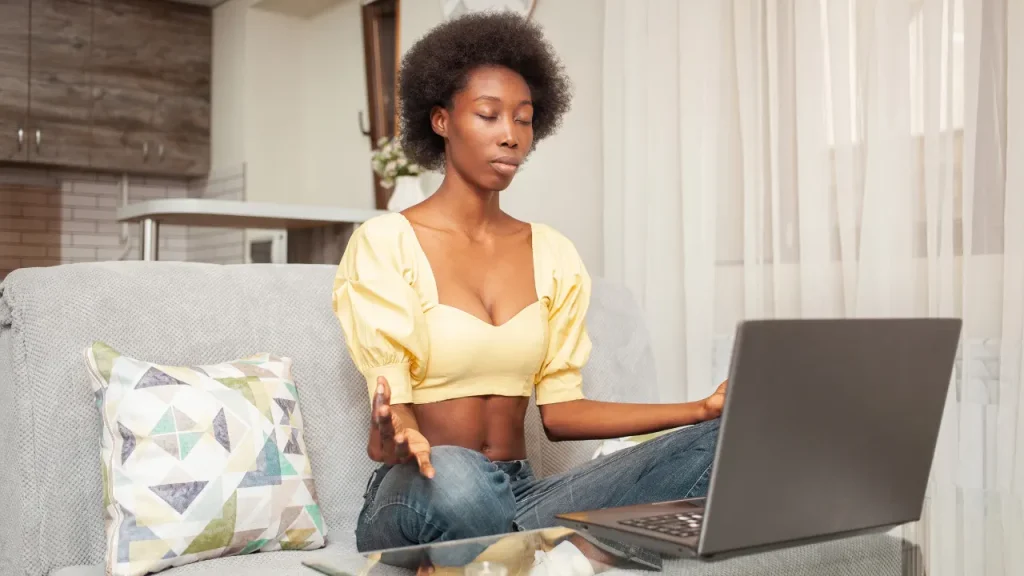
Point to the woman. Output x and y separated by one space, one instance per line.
456 312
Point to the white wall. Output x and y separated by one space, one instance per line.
561 185
337 156
286 93
227 112
274 140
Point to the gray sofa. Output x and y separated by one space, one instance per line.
51 519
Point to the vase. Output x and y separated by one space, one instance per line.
408 192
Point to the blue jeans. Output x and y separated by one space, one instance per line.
471 496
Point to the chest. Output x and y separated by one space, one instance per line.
493 282
466 349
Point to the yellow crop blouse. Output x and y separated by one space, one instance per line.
385 297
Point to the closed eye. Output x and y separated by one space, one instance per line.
488 118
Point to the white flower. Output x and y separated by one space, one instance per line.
389 160
387 183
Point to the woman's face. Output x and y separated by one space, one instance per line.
488 129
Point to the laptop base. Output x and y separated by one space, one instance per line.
688 548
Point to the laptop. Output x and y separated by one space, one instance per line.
829 430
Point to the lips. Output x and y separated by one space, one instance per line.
505 165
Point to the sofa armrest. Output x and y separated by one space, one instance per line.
12 518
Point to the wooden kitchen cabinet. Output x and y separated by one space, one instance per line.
160 47
151 84
14 43
115 85
59 95
123 130
184 125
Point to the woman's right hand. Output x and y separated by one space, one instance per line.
391 440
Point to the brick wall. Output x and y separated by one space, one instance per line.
50 217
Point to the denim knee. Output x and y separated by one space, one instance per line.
467 497
699 438
471 496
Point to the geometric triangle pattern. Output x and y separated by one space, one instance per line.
169 444
186 442
220 430
201 461
182 422
292 447
179 496
165 425
268 467
155 377
287 406
129 442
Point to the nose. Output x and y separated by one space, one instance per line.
509 139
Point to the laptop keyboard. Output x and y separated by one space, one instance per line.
680 525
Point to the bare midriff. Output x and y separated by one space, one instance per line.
491 425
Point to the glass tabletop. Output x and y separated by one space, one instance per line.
961 533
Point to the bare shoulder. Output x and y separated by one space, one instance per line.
513 227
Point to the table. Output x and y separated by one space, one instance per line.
962 533
232 214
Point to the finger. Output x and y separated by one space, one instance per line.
381 398
387 435
385 422
426 468
401 447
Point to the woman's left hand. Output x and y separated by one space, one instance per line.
714 404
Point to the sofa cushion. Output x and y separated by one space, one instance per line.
172 314
201 461
340 552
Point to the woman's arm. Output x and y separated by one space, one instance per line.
591 420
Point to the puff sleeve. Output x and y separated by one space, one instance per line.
560 378
380 312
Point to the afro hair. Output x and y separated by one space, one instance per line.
438 65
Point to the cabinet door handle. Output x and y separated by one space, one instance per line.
145 152
160 151
39 139
21 139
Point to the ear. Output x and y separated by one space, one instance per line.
439 121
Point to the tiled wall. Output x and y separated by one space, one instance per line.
218 245
58 217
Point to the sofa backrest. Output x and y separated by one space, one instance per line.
187 314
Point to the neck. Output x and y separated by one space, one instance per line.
470 208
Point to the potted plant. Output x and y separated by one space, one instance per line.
395 171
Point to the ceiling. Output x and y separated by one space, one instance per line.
210 3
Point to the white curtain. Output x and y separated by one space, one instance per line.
828 158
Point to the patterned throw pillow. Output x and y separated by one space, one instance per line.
201 462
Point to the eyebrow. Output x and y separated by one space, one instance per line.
496 99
